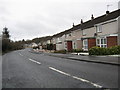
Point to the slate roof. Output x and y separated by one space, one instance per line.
91 23
103 18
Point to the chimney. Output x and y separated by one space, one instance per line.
107 12
92 17
81 21
73 25
5 29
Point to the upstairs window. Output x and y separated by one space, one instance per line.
99 28
58 39
70 34
84 34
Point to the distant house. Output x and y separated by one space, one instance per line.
26 45
58 41
73 38
33 45
43 41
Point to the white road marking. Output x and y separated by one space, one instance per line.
59 71
20 54
81 79
34 61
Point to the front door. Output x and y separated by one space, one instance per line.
69 45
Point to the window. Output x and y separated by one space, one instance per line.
84 33
65 35
70 34
74 45
65 44
101 42
85 44
99 28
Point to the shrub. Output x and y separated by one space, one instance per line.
49 46
77 50
61 51
35 47
104 51
94 51
114 50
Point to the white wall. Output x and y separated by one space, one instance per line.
109 28
60 46
89 32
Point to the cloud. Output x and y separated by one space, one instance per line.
35 18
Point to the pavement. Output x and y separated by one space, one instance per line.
106 59
26 69
112 60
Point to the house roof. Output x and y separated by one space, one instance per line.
66 31
91 23
103 18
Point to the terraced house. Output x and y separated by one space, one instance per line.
73 38
102 31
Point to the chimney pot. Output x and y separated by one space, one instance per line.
73 25
5 28
107 12
81 21
92 17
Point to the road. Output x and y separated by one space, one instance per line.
23 69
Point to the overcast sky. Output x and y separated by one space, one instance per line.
28 19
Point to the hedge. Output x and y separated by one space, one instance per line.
104 51
77 50
61 51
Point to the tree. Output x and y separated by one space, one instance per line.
23 40
6 44
5 33
9 45
49 46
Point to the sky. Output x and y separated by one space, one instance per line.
28 19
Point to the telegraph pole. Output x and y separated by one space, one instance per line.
108 7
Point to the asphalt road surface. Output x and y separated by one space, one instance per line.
23 69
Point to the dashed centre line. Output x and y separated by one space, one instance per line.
59 71
77 78
31 59
34 61
64 73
